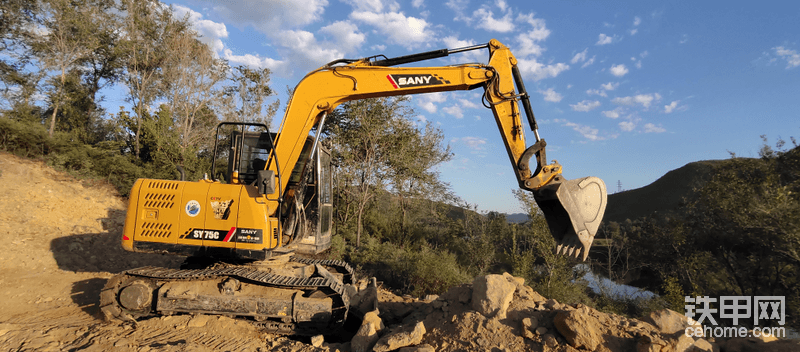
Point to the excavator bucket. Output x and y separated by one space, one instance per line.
573 210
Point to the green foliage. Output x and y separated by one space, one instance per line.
415 270
737 237
673 294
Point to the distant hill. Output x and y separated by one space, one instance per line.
662 197
517 218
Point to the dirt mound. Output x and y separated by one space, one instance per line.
60 244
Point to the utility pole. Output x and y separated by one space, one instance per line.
619 186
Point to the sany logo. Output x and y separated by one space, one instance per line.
406 81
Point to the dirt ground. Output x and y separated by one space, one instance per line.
59 244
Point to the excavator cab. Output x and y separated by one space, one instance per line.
308 206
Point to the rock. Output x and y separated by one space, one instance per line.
701 345
680 343
580 328
550 340
528 326
541 330
429 298
402 338
198 321
317 340
667 321
365 338
646 344
375 319
491 295
551 304
420 348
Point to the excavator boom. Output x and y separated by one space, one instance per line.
573 208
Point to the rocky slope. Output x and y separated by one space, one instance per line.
59 244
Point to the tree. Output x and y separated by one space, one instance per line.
412 165
244 100
363 138
190 77
17 17
148 27
69 29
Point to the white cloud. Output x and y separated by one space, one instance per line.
346 34
627 126
398 28
579 57
528 42
372 5
791 56
633 31
610 86
428 101
613 114
276 66
644 54
684 39
651 128
270 16
458 6
585 106
588 62
485 19
538 71
637 21
644 99
417 3
469 104
211 33
474 143
501 4
551 95
587 132
619 70
603 39
671 107
454 110
599 92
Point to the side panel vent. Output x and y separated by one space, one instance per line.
155 230
159 184
159 200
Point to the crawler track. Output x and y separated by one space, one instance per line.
154 278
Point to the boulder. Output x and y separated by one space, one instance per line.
317 340
701 345
400 338
491 295
580 328
667 321
365 338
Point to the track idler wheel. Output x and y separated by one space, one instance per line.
127 298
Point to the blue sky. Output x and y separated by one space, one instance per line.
623 90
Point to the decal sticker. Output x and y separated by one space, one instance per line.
235 234
192 208
222 209
249 236
408 81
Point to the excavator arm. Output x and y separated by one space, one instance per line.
573 208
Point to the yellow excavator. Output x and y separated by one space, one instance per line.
245 229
